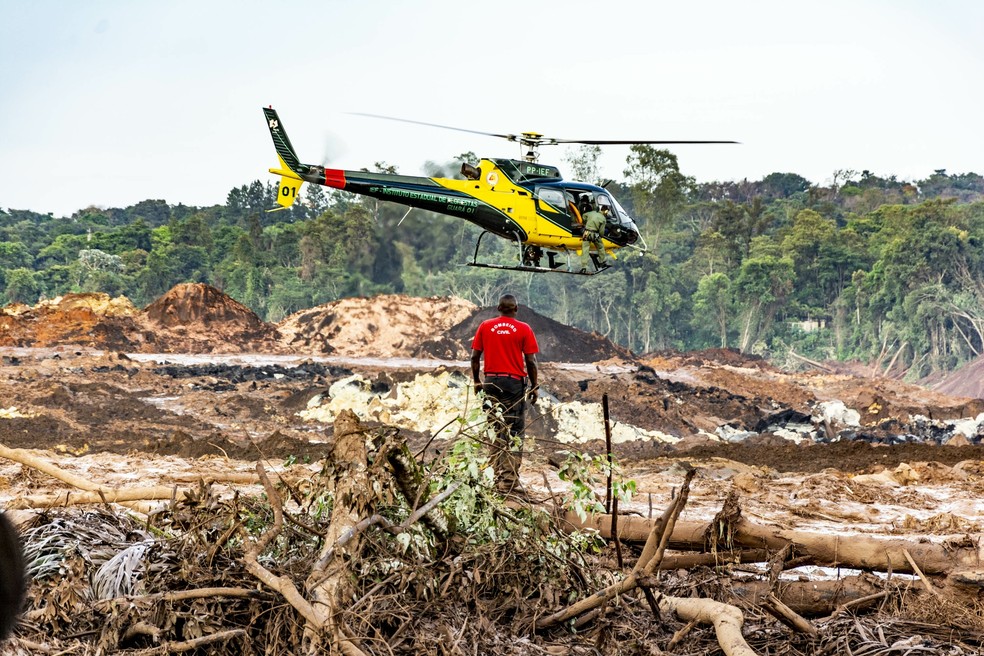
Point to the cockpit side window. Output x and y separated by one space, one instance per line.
606 207
554 197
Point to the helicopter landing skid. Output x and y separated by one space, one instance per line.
534 269
530 257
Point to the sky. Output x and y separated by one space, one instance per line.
111 102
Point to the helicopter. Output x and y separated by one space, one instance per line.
523 201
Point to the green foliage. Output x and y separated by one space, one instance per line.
586 473
882 264
713 305
14 255
21 286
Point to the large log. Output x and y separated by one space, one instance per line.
330 582
809 598
857 551
726 619
26 457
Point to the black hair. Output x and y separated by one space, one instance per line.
508 303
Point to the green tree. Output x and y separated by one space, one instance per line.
782 185
713 305
93 261
655 301
658 188
762 287
804 244
63 250
14 255
584 163
22 286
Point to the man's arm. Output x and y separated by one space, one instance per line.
476 366
531 371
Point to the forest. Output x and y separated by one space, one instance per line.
867 268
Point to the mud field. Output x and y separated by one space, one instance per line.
196 388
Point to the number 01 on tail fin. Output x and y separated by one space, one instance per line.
290 187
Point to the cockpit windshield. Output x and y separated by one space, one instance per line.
622 217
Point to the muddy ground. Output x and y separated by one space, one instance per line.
194 387
83 402
79 377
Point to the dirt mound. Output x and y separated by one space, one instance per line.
719 356
198 318
382 326
558 342
878 399
93 320
966 381
190 318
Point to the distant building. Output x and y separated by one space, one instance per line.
809 325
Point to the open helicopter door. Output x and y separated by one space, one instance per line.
553 219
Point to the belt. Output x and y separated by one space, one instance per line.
513 376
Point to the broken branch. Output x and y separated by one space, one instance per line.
648 562
787 615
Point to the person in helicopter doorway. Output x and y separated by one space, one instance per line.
595 219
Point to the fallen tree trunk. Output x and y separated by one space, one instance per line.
100 495
95 493
719 559
858 551
808 598
25 457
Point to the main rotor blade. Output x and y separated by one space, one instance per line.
629 142
538 140
510 137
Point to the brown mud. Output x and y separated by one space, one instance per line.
195 390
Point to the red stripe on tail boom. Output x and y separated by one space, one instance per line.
335 178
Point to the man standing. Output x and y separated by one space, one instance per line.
510 349
594 230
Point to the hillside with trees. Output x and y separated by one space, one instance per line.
869 268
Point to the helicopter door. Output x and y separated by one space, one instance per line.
553 218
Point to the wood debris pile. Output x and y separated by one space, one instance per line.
381 553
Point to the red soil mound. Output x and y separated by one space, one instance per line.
198 318
92 320
388 325
558 342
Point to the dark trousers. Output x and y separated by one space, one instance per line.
587 240
506 406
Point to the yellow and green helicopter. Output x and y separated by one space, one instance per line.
520 200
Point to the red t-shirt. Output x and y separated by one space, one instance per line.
504 341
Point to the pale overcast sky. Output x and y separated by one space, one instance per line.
108 103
